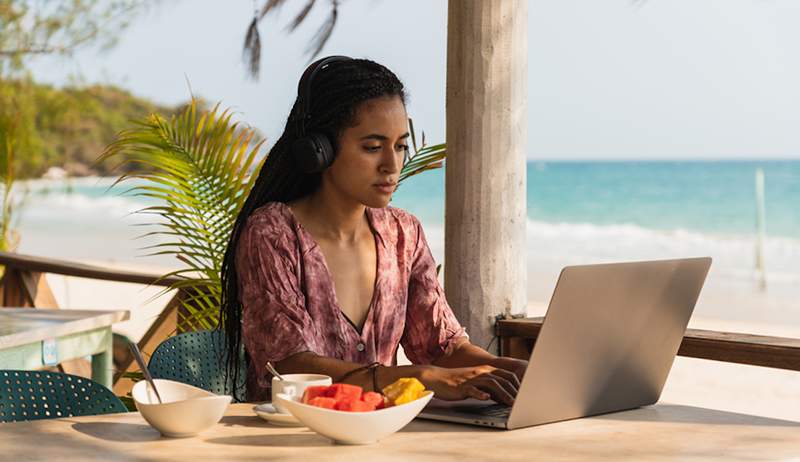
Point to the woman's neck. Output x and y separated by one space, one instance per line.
332 217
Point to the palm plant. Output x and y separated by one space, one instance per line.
199 166
424 157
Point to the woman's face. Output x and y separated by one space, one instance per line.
371 153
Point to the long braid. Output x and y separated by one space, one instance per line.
337 91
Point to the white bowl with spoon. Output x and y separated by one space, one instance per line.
173 408
184 410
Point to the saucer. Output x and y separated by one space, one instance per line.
268 412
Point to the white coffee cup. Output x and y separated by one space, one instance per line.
295 385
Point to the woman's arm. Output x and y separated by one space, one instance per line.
308 362
466 354
449 383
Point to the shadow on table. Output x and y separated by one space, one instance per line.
121 432
438 426
245 421
306 440
698 415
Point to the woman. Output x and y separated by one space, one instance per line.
321 276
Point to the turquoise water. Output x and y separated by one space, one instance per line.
713 197
708 197
578 213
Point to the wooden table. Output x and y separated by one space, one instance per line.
77 333
661 432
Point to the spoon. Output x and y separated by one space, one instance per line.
138 356
273 371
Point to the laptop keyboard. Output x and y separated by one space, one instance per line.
492 410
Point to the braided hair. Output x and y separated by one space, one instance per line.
337 91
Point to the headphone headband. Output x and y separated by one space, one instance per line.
304 86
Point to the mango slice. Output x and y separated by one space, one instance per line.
404 390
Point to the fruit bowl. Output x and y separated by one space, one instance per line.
354 427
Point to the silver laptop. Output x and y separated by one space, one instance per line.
608 341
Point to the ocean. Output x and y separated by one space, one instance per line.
578 212
712 198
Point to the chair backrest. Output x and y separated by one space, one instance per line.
198 359
33 395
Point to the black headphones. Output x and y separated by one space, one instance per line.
313 152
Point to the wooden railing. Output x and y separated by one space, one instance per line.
23 285
518 336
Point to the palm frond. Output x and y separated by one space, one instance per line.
197 166
424 158
251 51
324 32
301 16
269 6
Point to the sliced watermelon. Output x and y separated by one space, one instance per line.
354 405
375 399
322 401
313 392
344 391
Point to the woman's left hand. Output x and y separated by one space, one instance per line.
517 366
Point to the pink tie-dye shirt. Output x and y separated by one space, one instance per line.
289 303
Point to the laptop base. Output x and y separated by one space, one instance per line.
470 411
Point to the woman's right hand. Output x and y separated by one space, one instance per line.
480 382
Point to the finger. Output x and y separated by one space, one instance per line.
506 384
520 368
473 392
479 370
509 387
518 371
490 385
508 375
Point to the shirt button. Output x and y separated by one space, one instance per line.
360 346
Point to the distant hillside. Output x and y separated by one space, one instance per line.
70 127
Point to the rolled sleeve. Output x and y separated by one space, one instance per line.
275 323
431 327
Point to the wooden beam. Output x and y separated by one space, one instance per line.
38 290
14 289
518 336
67 268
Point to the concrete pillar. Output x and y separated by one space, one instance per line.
485 213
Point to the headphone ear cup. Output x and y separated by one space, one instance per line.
324 149
313 153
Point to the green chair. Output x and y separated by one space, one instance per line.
198 359
34 395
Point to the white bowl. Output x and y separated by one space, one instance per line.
354 427
185 410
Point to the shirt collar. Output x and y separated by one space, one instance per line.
377 220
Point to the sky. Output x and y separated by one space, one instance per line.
607 79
